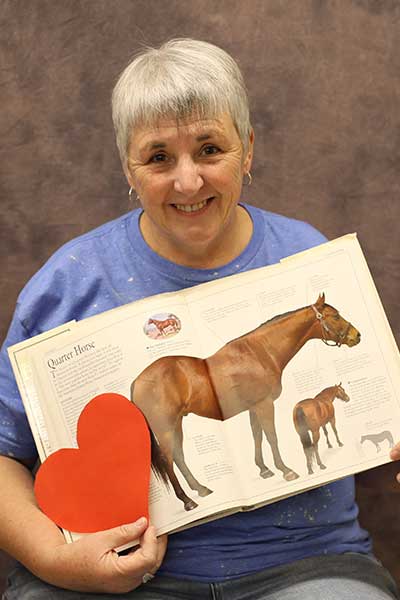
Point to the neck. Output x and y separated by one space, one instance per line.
299 327
328 394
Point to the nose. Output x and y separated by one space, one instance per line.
187 179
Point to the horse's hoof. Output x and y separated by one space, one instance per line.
310 472
322 466
204 491
266 474
190 505
290 476
340 444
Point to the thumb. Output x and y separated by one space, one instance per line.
395 452
123 534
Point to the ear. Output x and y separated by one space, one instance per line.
248 159
128 175
321 300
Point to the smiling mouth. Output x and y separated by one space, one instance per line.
190 208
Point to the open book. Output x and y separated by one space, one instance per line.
238 379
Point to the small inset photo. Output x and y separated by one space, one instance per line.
162 325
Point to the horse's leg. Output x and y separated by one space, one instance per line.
308 453
315 437
266 416
333 425
166 441
179 460
258 457
326 435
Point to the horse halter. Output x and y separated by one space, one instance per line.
340 336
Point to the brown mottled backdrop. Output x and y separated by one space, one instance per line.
324 82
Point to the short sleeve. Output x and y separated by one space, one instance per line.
15 435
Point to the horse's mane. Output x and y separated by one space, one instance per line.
271 320
278 318
281 316
330 387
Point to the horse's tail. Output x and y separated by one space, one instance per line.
158 462
300 423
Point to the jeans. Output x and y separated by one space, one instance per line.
348 576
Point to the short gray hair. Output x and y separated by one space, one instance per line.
182 77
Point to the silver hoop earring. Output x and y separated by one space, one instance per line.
131 190
250 179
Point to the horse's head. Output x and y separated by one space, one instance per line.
340 393
334 327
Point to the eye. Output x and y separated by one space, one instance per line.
336 317
210 149
160 157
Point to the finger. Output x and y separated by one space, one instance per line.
160 552
395 452
149 543
149 549
124 534
144 559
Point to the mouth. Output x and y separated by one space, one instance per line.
193 208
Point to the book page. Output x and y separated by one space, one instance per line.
367 422
21 357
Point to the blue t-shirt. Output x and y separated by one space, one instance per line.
113 265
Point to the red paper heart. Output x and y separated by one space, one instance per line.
105 482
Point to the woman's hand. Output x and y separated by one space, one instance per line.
91 564
395 455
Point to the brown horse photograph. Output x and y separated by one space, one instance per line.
310 415
244 375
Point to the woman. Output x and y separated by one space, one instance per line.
186 144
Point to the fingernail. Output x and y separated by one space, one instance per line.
140 522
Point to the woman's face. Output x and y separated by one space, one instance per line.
188 176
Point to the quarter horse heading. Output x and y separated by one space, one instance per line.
313 413
245 374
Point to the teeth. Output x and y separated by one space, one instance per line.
191 207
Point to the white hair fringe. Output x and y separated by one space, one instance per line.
181 78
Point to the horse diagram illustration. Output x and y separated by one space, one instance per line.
244 375
378 438
312 414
